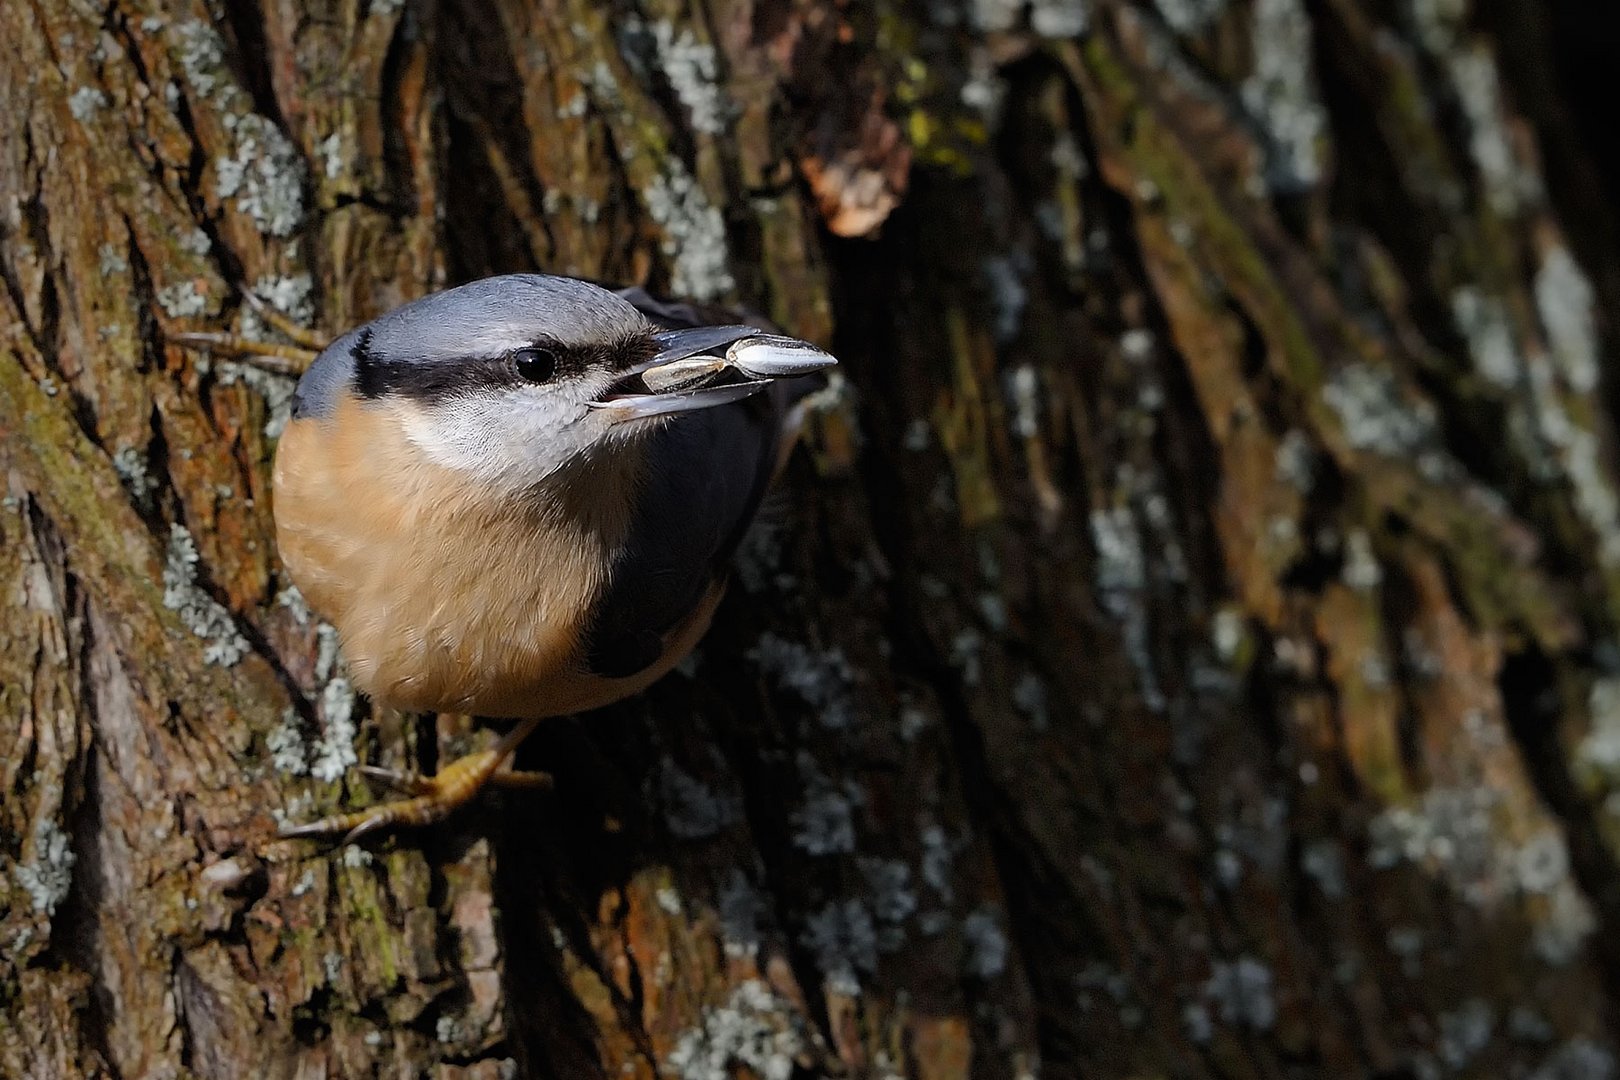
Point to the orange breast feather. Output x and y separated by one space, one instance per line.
448 596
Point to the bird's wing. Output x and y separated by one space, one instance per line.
706 473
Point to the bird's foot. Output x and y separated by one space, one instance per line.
418 786
276 357
431 798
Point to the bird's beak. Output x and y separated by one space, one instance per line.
678 373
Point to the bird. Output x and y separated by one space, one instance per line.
518 499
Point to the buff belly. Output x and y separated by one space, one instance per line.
447 597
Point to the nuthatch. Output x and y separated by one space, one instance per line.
518 499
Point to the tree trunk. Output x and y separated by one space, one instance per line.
1188 645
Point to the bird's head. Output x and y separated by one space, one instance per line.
513 377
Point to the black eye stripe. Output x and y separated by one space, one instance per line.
441 380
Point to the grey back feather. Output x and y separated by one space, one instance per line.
706 475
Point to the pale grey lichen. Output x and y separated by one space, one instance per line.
1527 1025
290 294
576 106
1136 344
130 465
1280 95
984 89
1361 571
1022 387
694 233
1452 832
1004 279
293 600
264 176
692 70
986 945
844 941
1189 16
1581 457
1258 831
1561 933
1195 1019
740 908
332 966
286 745
329 151
1029 698
198 612
1374 413
692 809
1058 18
1067 157
1226 633
1541 863
601 82
1437 21
1406 943
111 260
1241 991
1578 1059
1228 868
1539 420
1564 299
1295 460
328 650
939 853
201 52
1121 573
1464 1032
821 679
1483 322
184 299
758 558
276 390
989 15
914 720
1121 565
194 241
1509 183
888 883
46 875
754 1029
333 753
1322 861
1599 750
824 824
86 101
1449 829
967 655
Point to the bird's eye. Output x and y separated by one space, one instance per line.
535 365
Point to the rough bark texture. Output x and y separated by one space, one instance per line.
1189 646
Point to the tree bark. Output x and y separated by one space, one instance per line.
1188 644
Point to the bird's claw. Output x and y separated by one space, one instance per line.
275 358
432 798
